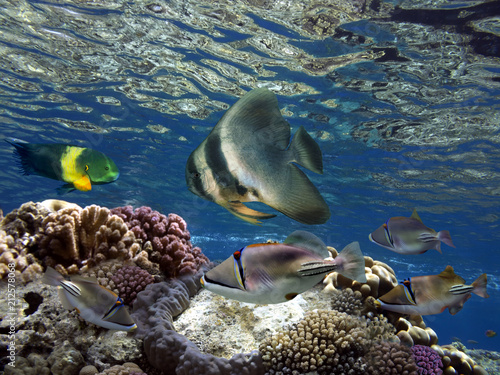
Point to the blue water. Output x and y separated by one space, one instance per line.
418 131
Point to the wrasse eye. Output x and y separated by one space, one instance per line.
384 225
86 167
237 255
106 168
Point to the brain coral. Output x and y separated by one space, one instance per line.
328 342
428 360
167 238
171 352
390 358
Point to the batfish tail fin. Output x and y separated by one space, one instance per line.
306 151
444 236
52 277
23 154
296 197
480 286
351 263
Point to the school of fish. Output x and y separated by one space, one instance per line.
249 156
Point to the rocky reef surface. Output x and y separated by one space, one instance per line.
147 258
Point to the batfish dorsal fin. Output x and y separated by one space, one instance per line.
308 241
415 216
258 114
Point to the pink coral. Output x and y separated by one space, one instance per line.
169 238
129 281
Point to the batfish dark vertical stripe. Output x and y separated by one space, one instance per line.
216 161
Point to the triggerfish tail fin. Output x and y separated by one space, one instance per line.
351 262
445 237
52 277
306 151
480 286
243 212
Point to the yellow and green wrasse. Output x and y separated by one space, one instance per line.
93 302
432 294
79 167
248 157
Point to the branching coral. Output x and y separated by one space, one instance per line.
390 358
167 238
347 301
72 237
328 342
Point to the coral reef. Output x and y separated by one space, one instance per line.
130 280
34 364
456 362
74 237
154 310
125 369
18 240
325 341
390 358
167 239
348 301
427 359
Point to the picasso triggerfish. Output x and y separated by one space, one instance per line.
432 294
79 167
248 157
408 235
94 303
268 273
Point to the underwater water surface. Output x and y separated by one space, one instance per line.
402 98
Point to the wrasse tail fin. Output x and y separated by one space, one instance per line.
480 286
23 154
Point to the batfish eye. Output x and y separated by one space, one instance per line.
86 168
196 174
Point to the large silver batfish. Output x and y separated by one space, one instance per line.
248 157
268 273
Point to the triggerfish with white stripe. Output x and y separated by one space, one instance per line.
268 273
93 302
429 295
248 157
408 235
79 167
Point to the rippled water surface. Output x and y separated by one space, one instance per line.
402 97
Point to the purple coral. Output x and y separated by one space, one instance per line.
169 237
129 281
428 360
